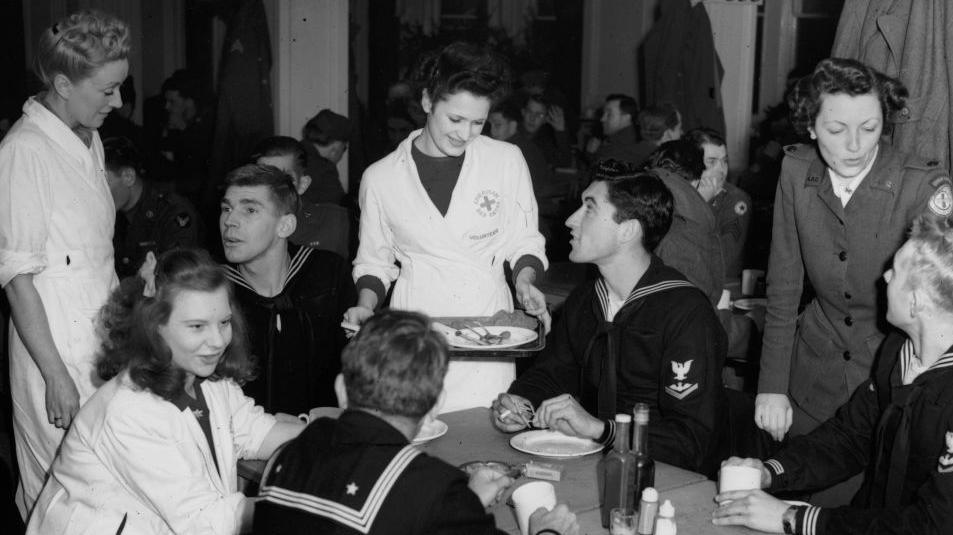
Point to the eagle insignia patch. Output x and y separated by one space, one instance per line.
680 388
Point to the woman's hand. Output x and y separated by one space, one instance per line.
488 485
755 509
773 413
62 400
709 185
358 315
533 300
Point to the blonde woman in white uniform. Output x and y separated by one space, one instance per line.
56 227
452 207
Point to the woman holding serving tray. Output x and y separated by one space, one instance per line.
452 207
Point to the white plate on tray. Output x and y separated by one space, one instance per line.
430 431
548 443
518 336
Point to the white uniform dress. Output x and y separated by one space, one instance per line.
56 222
134 459
452 265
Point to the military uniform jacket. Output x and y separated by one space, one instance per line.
828 350
625 146
664 347
358 474
692 244
901 434
296 335
732 207
160 221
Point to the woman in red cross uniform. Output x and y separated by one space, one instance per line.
843 206
443 214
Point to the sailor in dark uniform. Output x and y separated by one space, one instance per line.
152 217
640 333
897 427
360 474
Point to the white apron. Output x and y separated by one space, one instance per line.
452 265
56 222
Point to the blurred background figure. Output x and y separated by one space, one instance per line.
325 139
151 216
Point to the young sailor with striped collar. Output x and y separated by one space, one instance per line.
639 333
360 474
897 427
291 298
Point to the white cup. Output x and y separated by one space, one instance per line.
738 477
530 497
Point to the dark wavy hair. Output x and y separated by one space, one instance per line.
395 364
462 66
705 136
130 324
681 156
637 194
843 76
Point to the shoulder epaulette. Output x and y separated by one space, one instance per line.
800 151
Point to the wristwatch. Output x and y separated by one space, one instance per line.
789 520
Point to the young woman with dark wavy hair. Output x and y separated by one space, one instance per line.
155 449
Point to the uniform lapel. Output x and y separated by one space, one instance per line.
85 161
819 179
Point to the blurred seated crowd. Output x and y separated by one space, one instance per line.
220 328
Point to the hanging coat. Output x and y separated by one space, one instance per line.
244 115
682 65
452 265
910 40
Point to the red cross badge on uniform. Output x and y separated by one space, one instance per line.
487 203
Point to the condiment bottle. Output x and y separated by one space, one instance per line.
665 523
648 507
618 471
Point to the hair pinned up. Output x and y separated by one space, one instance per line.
79 44
834 76
464 66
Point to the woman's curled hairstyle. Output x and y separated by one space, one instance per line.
79 44
463 66
130 325
843 76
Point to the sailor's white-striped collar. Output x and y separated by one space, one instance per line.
297 261
910 367
602 291
361 519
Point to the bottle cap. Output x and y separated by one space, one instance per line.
649 494
667 509
641 412
623 418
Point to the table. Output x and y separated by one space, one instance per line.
472 437
693 506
